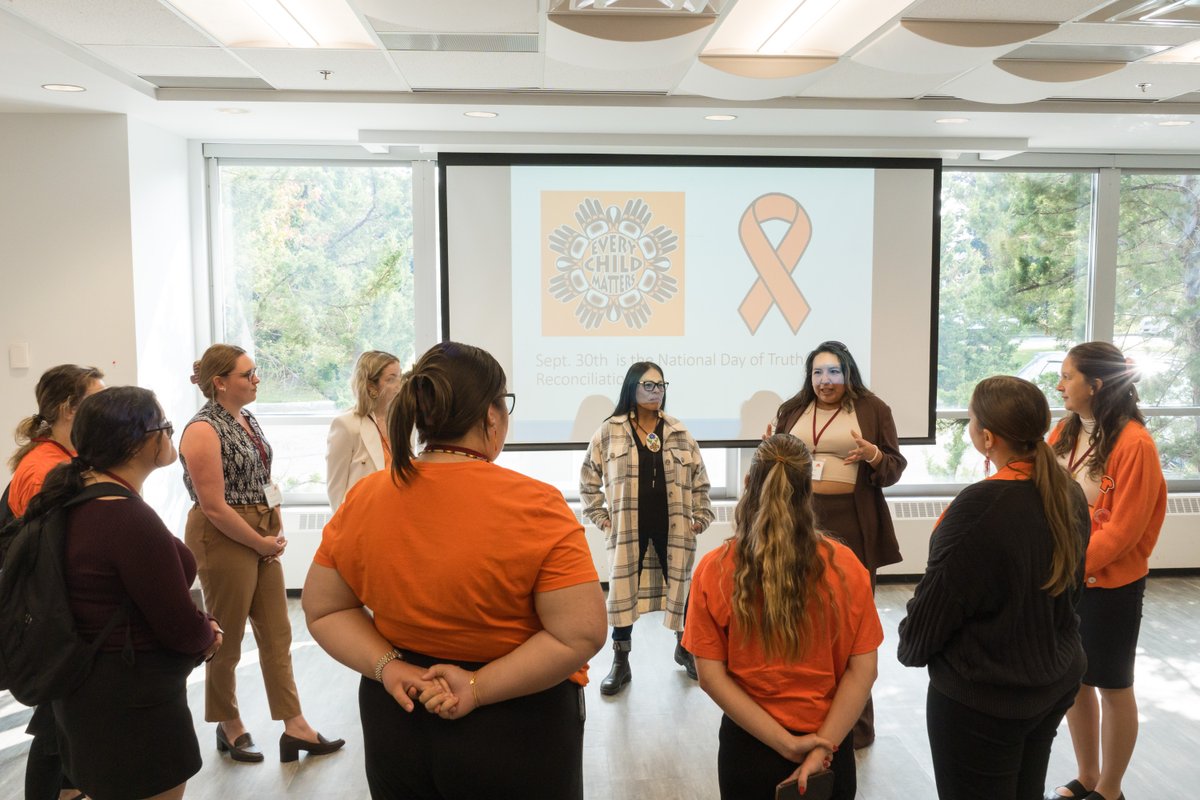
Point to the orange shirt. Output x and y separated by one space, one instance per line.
31 474
1133 497
450 562
796 695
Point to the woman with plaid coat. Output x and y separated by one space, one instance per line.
644 484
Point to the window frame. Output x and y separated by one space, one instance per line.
423 250
1107 170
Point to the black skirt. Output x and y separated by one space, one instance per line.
127 732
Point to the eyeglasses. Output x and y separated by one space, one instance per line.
249 374
510 401
166 427
654 386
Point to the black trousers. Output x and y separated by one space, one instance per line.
624 633
527 747
978 755
749 770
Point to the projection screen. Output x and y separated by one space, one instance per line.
724 271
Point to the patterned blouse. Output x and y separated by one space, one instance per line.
242 464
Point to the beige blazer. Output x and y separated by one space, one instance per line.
354 452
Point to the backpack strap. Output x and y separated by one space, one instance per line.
98 490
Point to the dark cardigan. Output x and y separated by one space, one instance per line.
877 427
994 640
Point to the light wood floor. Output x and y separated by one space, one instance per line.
658 739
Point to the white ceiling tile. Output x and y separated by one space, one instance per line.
1000 10
1094 33
474 16
564 44
1166 80
849 79
990 84
569 77
111 22
901 47
352 70
707 81
481 71
211 62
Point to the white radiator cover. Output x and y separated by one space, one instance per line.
1178 546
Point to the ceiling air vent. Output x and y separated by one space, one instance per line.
461 42
197 82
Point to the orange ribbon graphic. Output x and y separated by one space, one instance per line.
774 264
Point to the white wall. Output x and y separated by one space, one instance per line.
95 261
160 223
65 253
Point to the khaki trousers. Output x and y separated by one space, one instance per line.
238 586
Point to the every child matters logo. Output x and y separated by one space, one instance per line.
612 263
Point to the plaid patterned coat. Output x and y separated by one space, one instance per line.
608 487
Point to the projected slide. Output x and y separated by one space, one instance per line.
725 276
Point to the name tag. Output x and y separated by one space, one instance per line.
273 494
818 468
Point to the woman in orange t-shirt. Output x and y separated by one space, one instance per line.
44 439
784 630
485 604
44 442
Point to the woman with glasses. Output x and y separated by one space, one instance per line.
235 532
358 443
852 437
644 484
484 602
126 731
1104 444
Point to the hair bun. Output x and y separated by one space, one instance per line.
195 373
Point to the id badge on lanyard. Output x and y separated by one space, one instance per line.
273 494
818 468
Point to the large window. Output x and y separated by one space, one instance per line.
313 265
1024 264
1013 297
1157 314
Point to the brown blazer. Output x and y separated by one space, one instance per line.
878 428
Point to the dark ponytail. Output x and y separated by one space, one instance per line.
445 395
110 427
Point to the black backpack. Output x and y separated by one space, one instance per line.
7 527
42 656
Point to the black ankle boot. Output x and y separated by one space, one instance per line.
683 658
619 675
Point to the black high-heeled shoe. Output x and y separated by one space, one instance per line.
242 748
290 747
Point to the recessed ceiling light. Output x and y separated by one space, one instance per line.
233 110
1175 123
63 87
952 121
721 117
480 114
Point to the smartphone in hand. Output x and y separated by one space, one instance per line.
820 787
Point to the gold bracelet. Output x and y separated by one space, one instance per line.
384 660
474 689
